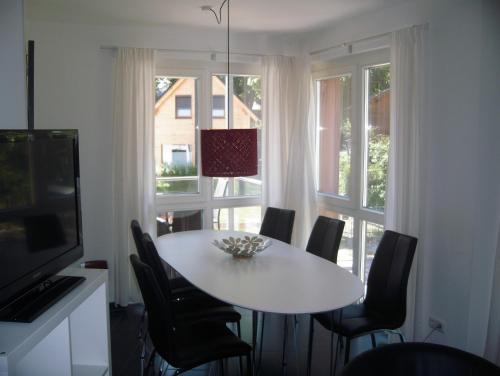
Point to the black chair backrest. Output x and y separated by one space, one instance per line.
137 233
278 224
186 221
388 277
160 315
325 238
419 359
154 261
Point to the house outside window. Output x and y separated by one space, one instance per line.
353 117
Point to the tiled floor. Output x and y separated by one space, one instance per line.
126 348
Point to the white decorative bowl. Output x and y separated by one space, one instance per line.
242 247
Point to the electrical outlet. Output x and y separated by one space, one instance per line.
436 324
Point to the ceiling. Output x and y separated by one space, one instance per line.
282 16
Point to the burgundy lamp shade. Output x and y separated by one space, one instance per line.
229 152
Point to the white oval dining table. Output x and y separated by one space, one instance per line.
281 279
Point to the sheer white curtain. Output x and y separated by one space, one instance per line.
405 181
133 161
288 144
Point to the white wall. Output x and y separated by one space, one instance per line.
12 68
462 173
73 89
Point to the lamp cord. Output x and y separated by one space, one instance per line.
228 77
218 17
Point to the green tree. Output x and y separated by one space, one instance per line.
248 90
162 84
177 186
378 152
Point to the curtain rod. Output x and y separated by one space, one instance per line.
210 52
347 44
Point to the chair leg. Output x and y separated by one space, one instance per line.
261 338
347 349
249 365
285 334
310 345
255 323
150 360
374 342
238 328
339 339
331 351
221 367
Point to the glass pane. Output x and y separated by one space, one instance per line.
247 219
183 106
179 220
377 120
372 233
221 219
247 113
345 255
219 93
176 141
247 102
335 143
218 106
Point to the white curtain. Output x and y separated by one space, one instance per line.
405 180
133 161
288 144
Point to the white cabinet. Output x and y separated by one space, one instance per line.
70 339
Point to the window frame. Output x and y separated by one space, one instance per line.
352 205
204 200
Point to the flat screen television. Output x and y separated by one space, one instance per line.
40 219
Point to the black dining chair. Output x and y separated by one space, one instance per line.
278 224
183 344
384 307
419 359
180 286
190 302
325 238
324 242
194 307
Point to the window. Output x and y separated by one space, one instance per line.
218 106
183 106
176 138
245 113
335 143
353 117
187 101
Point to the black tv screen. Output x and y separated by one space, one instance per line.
40 216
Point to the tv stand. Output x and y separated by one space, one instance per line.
71 338
37 300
